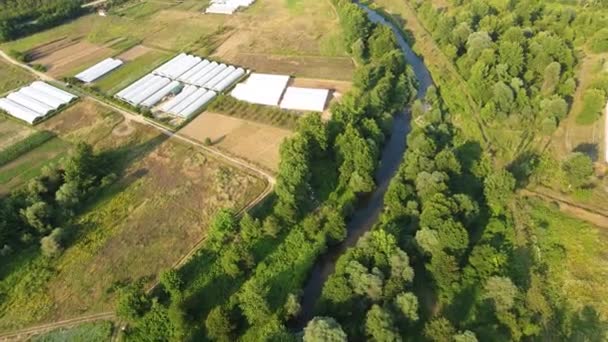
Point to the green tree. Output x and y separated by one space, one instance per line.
498 190
324 329
219 325
172 282
131 303
379 325
502 292
407 304
578 168
439 330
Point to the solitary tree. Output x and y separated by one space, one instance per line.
324 329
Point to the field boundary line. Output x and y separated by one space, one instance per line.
566 204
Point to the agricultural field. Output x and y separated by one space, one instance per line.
16 169
254 142
12 77
92 332
11 132
300 37
153 215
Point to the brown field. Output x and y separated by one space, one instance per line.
155 213
340 87
12 132
337 68
248 140
64 56
133 53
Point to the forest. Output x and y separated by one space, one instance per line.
21 17
519 58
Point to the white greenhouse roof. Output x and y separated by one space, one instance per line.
231 78
265 89
201 80
56 92
169 105
159 95
99 69
305 99
227 6
198 104
34 102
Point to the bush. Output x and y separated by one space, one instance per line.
578 169
208 141
51 245
593 105
599 42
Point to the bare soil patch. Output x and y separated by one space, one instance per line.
64 56
248 140
336 68
338 86
134 52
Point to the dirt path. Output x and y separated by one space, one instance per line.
590 215
23 334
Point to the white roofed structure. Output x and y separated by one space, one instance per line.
227 6
265 89
34 102
305 99
229 80
56 92
197 104
99 69
198 81
26 101
159 95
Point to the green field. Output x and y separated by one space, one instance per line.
30 164
12 77
131 71
91 332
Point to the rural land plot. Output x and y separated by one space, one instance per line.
573 250
12 77
12 132
155 213
255 142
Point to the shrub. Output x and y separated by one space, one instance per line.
593 105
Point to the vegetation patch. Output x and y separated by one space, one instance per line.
14 151
93 332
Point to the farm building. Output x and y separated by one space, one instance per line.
227 6
272 90
305 99
194 82
34 102
98 70
265 89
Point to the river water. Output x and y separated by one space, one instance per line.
368 212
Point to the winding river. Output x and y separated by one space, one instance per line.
368 213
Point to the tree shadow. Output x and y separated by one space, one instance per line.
591 150
523 167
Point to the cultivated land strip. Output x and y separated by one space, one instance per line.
130 116
27 332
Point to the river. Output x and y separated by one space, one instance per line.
368 212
